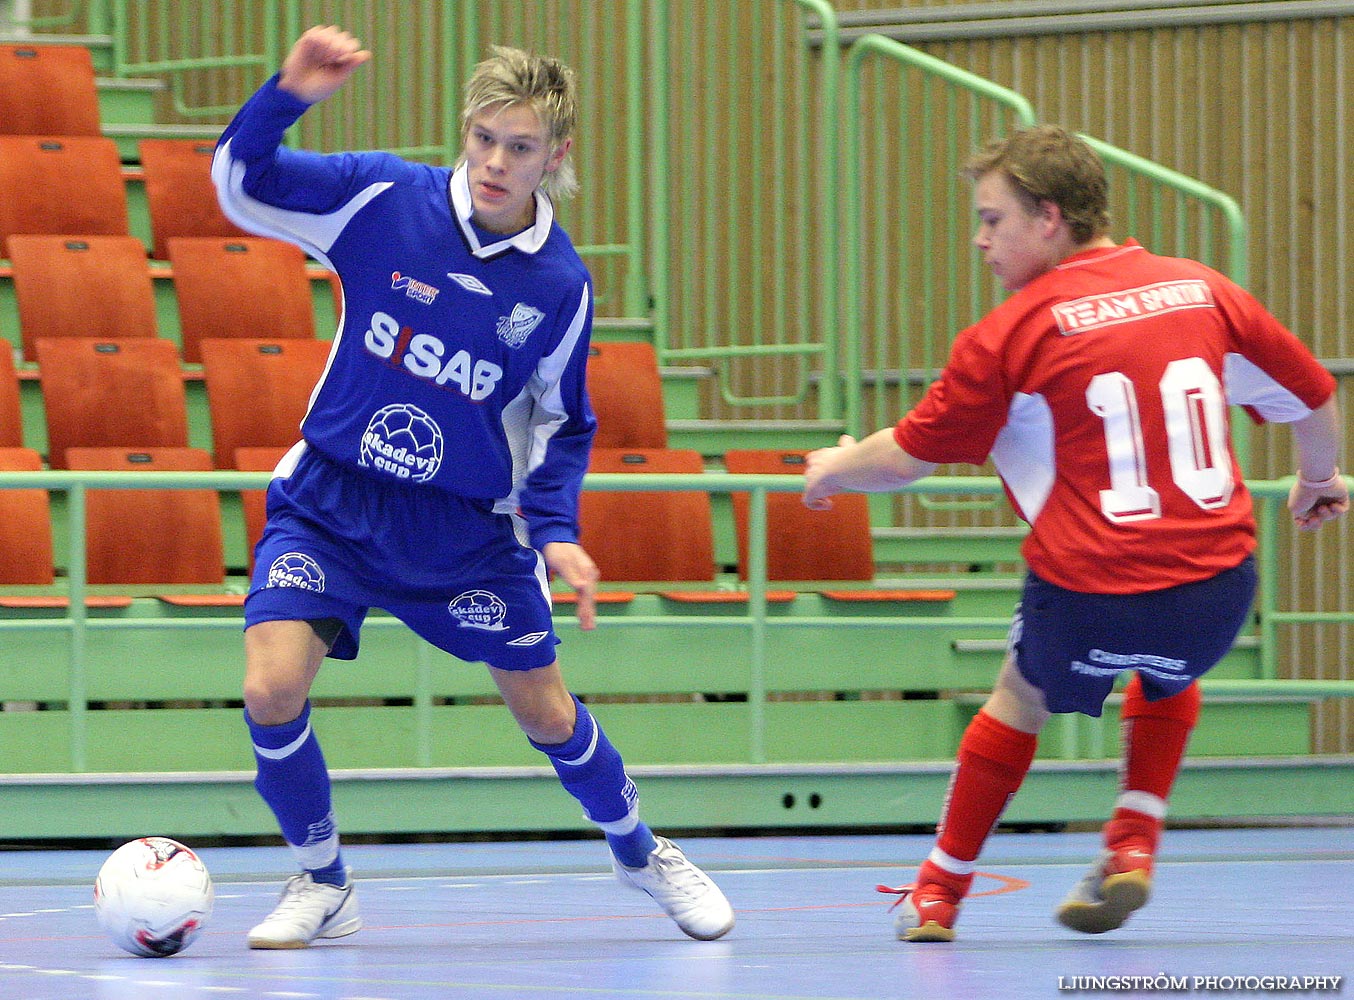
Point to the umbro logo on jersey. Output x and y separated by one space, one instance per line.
470 283
417 290
530 639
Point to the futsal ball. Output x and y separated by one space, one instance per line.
153 896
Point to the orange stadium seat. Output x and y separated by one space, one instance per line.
11 410
661 535
180 196
25 525
111 393
626 391
61 185
803 544
151 536
246 287
48 90
81 286
253 503
258 391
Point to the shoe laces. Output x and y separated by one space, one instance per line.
294 894
902 892
679 873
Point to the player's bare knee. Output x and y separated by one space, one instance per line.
547 724
1016 702
269 704
546 719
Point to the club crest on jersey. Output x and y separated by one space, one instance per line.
515 329
402 441
419 291
479 609
297 570
470 283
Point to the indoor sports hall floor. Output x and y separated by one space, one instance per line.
528 920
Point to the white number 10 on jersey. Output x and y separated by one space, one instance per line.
1196 430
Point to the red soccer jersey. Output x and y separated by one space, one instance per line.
1100 392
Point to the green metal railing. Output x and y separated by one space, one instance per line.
408 100
764 311
756 622
794 304
1199 221
914 132
927 116
87 15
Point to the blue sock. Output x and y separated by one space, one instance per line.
592 772
294 781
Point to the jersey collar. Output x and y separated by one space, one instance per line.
528 240
1099 253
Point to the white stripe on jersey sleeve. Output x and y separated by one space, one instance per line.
313 233
1023 453
1247 384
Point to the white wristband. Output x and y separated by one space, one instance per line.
1307 484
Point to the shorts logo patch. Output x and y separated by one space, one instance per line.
296 569
530 639
515 329
479 609
404 442
1107 664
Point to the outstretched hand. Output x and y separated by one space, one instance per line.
320 62
574 566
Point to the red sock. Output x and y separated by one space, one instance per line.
1154 735
993 761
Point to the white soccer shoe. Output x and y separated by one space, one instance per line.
306 911
685 893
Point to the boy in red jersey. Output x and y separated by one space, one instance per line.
1099 389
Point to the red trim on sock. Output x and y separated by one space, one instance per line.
992 762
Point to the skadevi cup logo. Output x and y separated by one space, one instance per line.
479 609
403 441
298 570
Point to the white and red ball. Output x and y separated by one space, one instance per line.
153 896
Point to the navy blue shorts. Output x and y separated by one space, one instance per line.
1072 646
338 543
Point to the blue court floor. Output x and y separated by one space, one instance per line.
521 921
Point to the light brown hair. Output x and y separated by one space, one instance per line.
1049 163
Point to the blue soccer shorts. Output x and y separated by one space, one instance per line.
1072 646
339 542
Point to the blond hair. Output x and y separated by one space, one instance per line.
513 77
1049 163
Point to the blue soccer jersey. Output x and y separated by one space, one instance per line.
460 356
